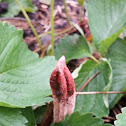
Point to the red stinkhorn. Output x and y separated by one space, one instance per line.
63 90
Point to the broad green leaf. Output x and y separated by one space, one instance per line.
14 9
29 115
72 47
24 77
11 117
121 118
78 119
81 2
93 103
106 18
117 56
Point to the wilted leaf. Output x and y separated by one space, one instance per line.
78 119
14 9
106 18
11 117
121 118
24 77
72 47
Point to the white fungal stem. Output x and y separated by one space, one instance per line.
59 110
71 103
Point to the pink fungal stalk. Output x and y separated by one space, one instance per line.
63 90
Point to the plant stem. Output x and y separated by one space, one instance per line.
67 17
109 92
92 57
52 26
29 22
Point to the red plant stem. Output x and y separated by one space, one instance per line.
109 92
86 83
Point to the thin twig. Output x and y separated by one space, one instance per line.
119 106
88 81
114 111
109 117
109 92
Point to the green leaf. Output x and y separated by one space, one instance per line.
121 118
107 74
78 119
24 77
29 115
104 45
72 47
106 18
14 9
117 56
102 82
85 70
81 2
11 117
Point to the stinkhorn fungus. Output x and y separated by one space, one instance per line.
63 90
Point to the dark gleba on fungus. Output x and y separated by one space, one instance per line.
63 89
